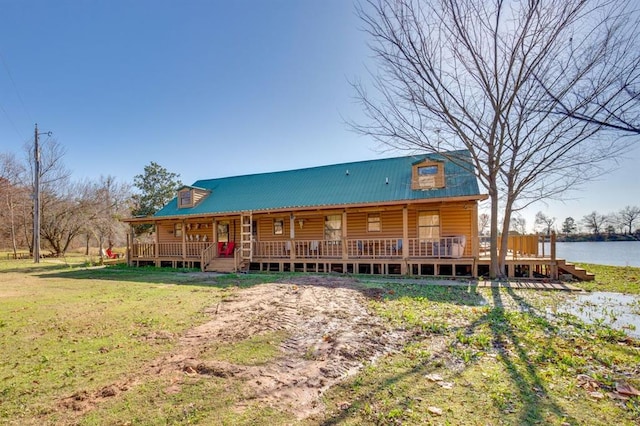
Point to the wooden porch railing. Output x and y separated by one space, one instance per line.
439 247
302 249
519 246
379 248
522 246
196 249
148 250
374 248
208 254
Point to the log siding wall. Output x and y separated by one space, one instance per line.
455 219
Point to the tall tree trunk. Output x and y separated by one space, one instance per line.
504 241
495 271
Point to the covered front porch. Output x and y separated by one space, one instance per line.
528 256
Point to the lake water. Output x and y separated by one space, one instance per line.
619 311
618 253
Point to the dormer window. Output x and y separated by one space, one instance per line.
428 174
185 198
189 196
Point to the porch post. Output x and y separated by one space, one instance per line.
554 268
475 237
215 237
345 254
184 240
129 244
156 239
292 236
405 240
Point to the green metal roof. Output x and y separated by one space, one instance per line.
363 182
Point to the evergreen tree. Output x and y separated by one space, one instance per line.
157 186
569 225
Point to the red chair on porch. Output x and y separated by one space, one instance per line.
111 255
228 249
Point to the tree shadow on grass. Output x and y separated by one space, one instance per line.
536 405
168 276
532 392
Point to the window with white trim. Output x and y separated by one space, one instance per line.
428 225
374 223
278 226
333 227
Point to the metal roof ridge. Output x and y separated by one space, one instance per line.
417 157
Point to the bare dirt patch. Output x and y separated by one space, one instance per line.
331 334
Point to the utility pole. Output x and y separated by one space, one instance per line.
36 201
36 196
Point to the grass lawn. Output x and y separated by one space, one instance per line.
620 279
79 347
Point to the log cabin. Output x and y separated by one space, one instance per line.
410 215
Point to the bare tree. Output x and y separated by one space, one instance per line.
62 216
483 223
595 222
490 77
105 203
628 216
14 198
54 184
545 221
518 225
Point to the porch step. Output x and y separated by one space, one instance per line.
221 264
577 272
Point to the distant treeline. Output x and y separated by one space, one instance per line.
569 238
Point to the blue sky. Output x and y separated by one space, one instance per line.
205 88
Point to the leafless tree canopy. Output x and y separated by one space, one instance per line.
68 209
627 217
545 222
15 202
595 222
506 81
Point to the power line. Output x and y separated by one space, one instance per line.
11 121
15 87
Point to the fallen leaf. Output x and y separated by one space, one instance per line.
626 389
587 382
616 395
596 395
433 377
435 410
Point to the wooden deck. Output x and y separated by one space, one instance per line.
444 257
